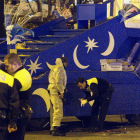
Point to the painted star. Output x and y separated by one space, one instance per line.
90 44
34 66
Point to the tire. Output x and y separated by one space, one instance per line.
133 118
85 120
38 124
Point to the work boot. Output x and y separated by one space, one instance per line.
90 129
97 129
58 132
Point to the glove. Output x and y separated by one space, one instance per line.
83 102
12 128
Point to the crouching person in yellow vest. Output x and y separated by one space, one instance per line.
100 90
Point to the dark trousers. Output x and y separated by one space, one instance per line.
100 107
3 134
21 128
3 125
3 129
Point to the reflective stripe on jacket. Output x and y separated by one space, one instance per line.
89 81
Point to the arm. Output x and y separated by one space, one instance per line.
60 79
18 84
14 107
95 92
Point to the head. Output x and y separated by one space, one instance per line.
81 83
12 62
64 61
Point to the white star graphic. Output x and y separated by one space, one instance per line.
34 66
90 44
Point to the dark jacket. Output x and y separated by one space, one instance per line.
99 87
9 99
23 82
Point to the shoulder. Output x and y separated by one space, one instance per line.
22 71
58 68
22 74
6 78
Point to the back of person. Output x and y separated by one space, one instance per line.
6 84
53 76
102 85
9 104
57 77
24 78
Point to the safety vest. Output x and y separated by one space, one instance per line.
24 77
89 81
6 78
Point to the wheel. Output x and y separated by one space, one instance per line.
38 124
133 118
85 120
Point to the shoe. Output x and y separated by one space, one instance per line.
58 132
54 133
133 123
97 129
90 129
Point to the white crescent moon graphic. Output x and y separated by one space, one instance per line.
76 60
45 96
110 46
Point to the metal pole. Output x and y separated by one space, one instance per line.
2 27
39 6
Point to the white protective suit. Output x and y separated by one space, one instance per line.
57 83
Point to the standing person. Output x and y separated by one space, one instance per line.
9 104
57 85
100 90
23 81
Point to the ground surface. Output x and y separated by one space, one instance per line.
115 128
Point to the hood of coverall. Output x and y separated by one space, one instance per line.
58 61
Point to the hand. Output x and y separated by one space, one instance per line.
66 90
61 95
83 102
12 129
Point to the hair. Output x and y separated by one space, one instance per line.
13 57
64 59
80 79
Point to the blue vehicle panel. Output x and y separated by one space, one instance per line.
110 40
84 50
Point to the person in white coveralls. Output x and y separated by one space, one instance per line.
57 86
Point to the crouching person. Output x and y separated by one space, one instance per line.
100 90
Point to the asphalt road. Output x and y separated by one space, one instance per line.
115 128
